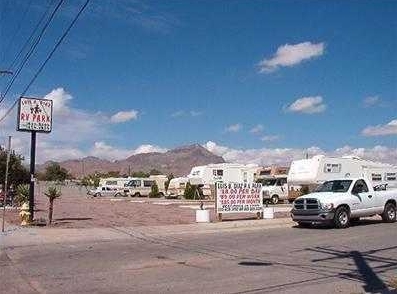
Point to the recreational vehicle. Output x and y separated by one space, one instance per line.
222 172
137 187
109 187
309 173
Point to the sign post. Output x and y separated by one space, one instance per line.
34 115
238 198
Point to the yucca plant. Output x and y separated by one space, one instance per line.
52 194
22 194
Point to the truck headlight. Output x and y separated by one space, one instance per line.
327 206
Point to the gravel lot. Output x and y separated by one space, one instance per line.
75 209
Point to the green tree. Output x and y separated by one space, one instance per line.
54 172
52 194
190 191
155 172
17 173
167 183
140 174
154 193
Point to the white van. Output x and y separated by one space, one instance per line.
110 187
137 187
274 188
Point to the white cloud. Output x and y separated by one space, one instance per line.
195 113
308 105
290 55
123 116
178 113
284 156
371 101
60 100
270 138
234 128
381 130
257 129
105 151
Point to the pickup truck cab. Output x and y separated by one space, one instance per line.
342 201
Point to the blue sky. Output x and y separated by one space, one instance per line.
253 78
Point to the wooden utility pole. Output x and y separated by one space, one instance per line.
6 181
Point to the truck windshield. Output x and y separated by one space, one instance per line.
334 186
269 182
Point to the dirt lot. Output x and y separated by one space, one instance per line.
75 209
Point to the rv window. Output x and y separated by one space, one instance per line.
148 183
114 183
264 172
332 168
391 176
182 185
217 172
196 173
376 177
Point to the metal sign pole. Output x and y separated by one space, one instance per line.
32 166
6 182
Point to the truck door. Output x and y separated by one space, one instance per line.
366 199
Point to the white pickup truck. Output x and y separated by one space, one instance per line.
340 202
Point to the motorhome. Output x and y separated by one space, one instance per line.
176 187
270 171
137 187
307 174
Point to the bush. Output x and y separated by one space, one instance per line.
191 192
154 193
304 190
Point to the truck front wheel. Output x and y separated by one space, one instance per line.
275 199
389 214
341 218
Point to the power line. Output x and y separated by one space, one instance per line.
28 40
47 59
30 52
19 25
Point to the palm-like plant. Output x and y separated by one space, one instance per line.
22 194
52 194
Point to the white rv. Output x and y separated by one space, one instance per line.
137 187
318 169
177 187
109 187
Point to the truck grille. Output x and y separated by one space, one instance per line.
306 203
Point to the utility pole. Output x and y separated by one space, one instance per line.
32 169
6 182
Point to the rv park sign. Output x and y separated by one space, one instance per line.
34 115
238 198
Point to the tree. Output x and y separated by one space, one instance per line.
167 183
54 172
22 194
17 173
155 172
52 194
154 193
190 191
140 174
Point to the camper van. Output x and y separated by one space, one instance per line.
177 187
274 188
109 187
137 187
309 173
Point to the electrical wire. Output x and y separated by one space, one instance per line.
29 39
47 59
30 52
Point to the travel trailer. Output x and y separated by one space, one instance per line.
270 171
177 187
222 172
309 173
137 187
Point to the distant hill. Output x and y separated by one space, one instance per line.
178 161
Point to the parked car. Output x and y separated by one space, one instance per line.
340 202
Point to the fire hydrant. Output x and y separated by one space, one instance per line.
25 214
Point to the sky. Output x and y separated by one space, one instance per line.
253 81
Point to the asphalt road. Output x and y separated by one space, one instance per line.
359 259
